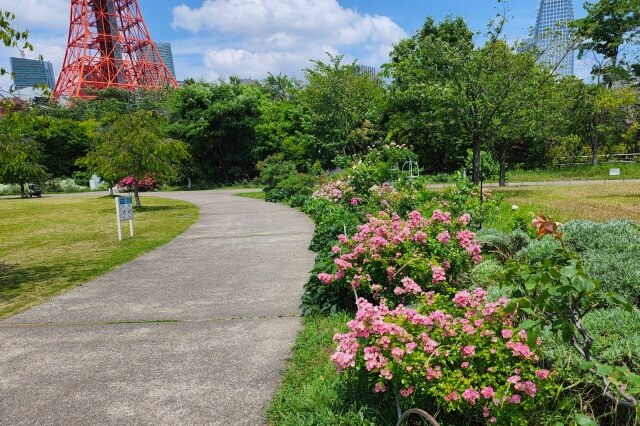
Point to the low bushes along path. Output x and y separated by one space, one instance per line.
195 332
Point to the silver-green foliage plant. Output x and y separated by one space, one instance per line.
556 293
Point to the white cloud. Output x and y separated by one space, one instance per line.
35 14
254 37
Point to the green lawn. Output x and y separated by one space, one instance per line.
582 172
258 195
51 244
597 202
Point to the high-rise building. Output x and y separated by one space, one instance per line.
164 50
29 72
552 35
366 70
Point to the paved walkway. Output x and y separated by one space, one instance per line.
195 332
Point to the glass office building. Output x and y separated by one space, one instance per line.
552 36
164 49
29 72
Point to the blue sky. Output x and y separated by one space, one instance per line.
216 38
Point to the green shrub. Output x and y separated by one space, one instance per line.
465 198
616 335
504 246
9 189
486 275
611 252
65 185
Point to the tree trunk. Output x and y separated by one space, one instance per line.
110 189
594 149
135 193
22 194
503 165
476 159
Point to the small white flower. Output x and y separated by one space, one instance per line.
514 207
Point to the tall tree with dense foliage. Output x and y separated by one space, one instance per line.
217 121
448 95
608 26
63 141
20 155
279 128
342 109
135 145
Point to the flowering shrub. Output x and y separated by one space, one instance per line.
146 184
336 191
462 354
396 260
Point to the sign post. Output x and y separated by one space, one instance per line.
124 211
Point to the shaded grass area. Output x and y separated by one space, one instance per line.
51 244
258 195
312 392
596 202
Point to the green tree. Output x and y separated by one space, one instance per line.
135 145
600 116
449 95
218 122
338 104
608 26
63 142
20 154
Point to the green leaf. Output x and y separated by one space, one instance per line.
585 420
528 324
604 370
511 306
569 271
586 365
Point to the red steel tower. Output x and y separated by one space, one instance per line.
109 46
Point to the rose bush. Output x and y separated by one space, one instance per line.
146 184
396 260
460 354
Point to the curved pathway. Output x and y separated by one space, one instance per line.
195 332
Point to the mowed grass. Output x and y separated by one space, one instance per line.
258 195
579 172
596 202
51 244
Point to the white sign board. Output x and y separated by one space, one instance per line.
614 172
124 211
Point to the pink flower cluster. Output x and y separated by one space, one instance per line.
334 191
384 190
146 184
468 242
414 352
386 258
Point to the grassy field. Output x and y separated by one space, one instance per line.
258 195
51 244
549 174
597 202
582 172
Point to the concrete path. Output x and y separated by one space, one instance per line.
195 332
